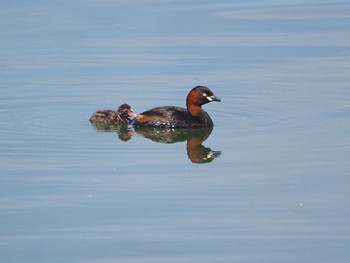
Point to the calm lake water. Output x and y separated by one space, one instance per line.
269 183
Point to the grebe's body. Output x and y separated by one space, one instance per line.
176 117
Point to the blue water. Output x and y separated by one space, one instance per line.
273 182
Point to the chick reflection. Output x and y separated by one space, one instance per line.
124 134
196 152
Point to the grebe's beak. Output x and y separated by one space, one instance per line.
213 98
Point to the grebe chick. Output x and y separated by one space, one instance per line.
107 117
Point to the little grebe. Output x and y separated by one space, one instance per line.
175 117
121 116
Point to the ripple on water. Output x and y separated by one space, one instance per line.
250 122
256 114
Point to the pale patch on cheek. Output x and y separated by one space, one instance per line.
207 97
209 156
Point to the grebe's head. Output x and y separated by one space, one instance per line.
201 95
126 111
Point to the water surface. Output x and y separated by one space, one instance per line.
277 188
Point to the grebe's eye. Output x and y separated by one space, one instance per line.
204 94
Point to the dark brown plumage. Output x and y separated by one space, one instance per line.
176 117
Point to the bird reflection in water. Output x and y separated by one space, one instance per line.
196 151
123 131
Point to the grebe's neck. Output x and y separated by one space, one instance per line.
193 105
199 113
195 109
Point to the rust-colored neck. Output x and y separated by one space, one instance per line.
193 104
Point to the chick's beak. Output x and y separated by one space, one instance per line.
132 114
